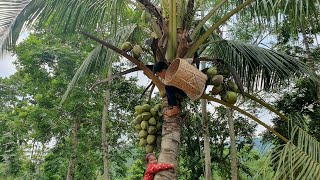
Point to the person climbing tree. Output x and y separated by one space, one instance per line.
173 93
153 167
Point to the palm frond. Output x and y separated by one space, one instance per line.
99 58
14 15
298 12
259 67
298 159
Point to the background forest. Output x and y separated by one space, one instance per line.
58 120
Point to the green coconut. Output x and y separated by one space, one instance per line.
225 72
158 107
217 80
151 139
231 97
232 85
149 148
138 118
143 134
127 46
146 107
137 51
146 116
216 89
137 127
152 121
144 124
138 109
152 130
153 112
159 125
212 72
142 142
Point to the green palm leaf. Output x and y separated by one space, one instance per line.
259 67
298 159
99 58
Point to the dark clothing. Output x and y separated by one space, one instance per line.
173 94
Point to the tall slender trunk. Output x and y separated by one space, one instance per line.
104 129
72 160
233 149
170 142
208 173
206 144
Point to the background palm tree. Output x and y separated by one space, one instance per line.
177 33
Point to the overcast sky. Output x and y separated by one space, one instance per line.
6 66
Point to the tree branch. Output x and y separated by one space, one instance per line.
140 65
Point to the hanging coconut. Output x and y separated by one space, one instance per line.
137 51
142 142
144 124
152 121
217 80
159 125
138 118
146 107
232 86
137 128
151 139
158 107
152 130
146 116
231 97
127 46
138 109
153 112
216 89
212 72
149 148
143 134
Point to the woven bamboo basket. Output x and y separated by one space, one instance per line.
186 77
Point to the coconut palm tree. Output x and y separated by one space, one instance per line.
175 31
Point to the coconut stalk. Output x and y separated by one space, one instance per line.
210 98
172 33
233 146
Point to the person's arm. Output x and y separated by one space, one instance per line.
154 168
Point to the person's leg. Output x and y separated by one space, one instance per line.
173 108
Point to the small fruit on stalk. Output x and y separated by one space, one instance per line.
231 97
212 72
127 46
149 149
217 80
137 51
232 85
216 89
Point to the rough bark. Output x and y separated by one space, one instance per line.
104 130
233 149
206 144
170 142
72 160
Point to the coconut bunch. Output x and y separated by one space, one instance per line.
147 126
135 50
222 83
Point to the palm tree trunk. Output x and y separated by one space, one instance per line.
206 144
104 129
170 142
233 149
70 174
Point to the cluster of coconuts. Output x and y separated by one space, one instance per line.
135 50
222 84
148 127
